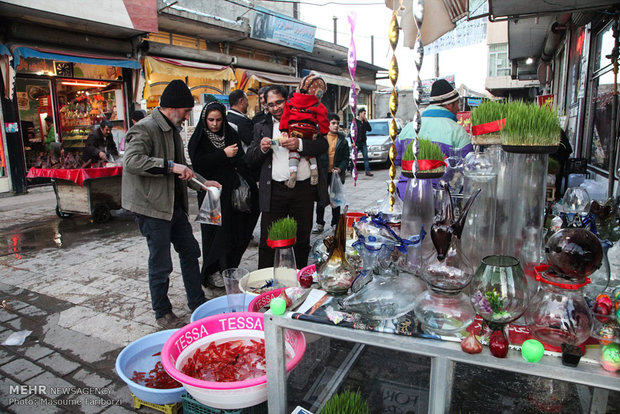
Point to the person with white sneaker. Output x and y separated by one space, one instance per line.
335 160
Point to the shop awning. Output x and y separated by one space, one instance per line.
272 78
343 81
181 68
251 79
29 52
159 71
503 8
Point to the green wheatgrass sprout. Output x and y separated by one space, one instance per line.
489 111
283 229
346 402
530 125
428 151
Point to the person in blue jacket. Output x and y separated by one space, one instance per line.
439 124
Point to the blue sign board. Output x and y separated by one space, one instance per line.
282 30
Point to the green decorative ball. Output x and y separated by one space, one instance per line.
278 306
532 350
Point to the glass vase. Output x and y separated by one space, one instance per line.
499 290
284 266
521 189
418 207
336 275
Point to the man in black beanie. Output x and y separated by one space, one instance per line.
155 180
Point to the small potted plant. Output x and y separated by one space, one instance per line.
346 402
430 160
530 129
486 122
281 237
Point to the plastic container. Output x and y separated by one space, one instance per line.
260 277
191 406
138 356
221 328
263 299
214 306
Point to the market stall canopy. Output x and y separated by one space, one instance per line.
160 71
440 16
20 52
343 81
511 8
250 79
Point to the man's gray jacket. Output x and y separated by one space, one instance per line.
148 186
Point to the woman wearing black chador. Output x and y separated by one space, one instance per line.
216 154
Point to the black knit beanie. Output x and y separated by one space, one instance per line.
176 95
442 93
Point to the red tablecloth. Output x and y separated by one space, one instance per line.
77 175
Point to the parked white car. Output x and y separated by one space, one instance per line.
378 141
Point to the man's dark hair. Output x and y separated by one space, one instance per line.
106 123
235 96
280 90
137 115
359 111
332 115
262 90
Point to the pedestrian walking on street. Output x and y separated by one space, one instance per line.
217 154
154 187
238 119
276 199
363 126
334 161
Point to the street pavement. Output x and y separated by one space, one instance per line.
82 289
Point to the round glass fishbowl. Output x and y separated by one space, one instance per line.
558 313
443 313
499 291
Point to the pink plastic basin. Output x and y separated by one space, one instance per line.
221 328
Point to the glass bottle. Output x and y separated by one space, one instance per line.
336 275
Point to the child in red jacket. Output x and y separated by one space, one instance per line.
304 117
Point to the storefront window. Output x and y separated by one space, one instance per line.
574 66
602 93
604 45
34 102
84 104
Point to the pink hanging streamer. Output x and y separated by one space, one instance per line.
352 63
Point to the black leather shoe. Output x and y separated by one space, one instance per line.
170 321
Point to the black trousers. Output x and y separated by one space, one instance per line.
297 203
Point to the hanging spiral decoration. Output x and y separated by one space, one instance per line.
352 63
393 103
418 15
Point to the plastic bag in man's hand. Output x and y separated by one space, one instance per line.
211 210
241 197
337 196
